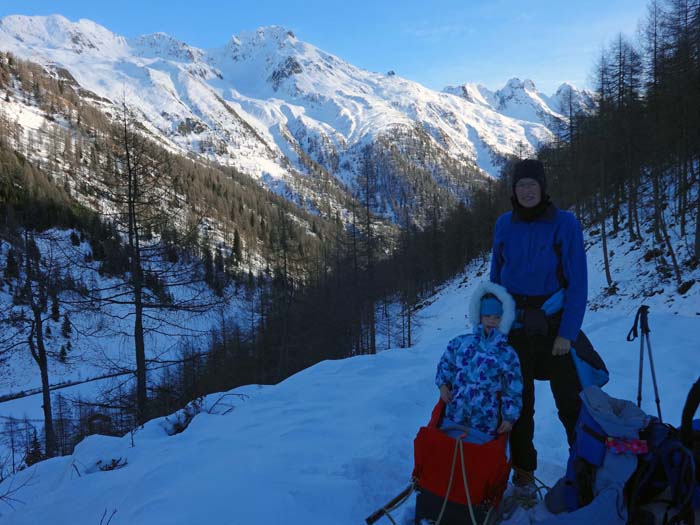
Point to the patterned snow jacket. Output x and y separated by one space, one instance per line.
484 372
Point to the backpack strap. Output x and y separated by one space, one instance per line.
691 406
668 464
679 466
641 487
627 446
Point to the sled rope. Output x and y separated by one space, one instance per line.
449 483
392 505
386 513
390 508
541 488
466 487
459 448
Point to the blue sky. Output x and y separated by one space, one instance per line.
435 43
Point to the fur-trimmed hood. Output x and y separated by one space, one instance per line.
502 294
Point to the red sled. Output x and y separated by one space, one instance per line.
438 465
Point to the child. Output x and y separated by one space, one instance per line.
479 374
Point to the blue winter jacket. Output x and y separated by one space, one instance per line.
525 262
484 373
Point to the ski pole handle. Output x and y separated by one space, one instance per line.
642 318
645 319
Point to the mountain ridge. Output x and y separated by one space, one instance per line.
282 110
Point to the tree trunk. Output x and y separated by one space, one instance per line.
604 236
603 232
683 196
370 183
409 327
696 178
637 225
615 197
632 217
656 183
671 251
137 282
140 348
390 328
39 354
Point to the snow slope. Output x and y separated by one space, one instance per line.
334 442
100 342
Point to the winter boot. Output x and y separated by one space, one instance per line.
525 490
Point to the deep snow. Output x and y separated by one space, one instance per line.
334 442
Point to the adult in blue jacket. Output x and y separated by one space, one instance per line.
538 250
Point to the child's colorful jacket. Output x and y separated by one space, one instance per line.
484 372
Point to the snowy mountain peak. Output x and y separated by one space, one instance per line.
474 93
163 45
568 98
529 85
265 48
518 99
515 84
57 32
277 108
265 39
278 33
565 87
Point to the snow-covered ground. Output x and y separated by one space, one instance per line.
101 341
334 442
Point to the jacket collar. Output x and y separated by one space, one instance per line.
549 215
495 337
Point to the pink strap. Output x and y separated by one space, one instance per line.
627 445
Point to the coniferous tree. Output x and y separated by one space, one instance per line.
237 248
27 320
139 185
11 265
55 307
34 453
66 327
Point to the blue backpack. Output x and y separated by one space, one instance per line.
672 463
592 489
612 471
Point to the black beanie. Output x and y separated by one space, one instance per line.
530 169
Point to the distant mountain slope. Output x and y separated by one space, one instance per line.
291 115
519 99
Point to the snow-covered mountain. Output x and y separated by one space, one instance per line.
289 113
519 99
569 100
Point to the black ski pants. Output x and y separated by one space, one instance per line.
537 362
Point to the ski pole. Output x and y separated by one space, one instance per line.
645 335
642 320
631 336
641 369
